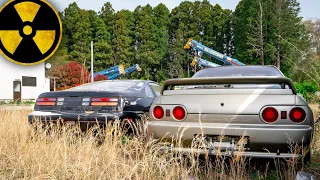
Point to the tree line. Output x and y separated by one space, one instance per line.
268 32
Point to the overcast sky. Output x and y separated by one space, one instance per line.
310 8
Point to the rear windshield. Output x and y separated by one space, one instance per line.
235 86
232 71
110 86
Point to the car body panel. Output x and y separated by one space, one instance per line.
227 106
132 102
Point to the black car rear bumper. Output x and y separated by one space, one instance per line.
101 118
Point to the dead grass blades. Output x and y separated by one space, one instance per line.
67 153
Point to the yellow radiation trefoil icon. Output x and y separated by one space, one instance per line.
30 31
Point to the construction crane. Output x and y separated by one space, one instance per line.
113 70
202 62
198 47
118 71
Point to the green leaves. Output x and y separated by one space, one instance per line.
269 34
258 32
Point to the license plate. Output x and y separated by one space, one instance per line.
70 122
217 145
226 143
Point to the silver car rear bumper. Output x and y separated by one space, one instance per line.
262 137
235 153
262 133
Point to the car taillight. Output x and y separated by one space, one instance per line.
297 115
270 115
46 101
104 102
179 113
158 112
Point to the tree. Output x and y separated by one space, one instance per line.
313 29
146 39
108 15
281 28
70 75
123 46
78 31
244 19
100 77
308 68
161 21
103 54
180 30
257 39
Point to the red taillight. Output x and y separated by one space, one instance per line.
270 115
297 115
158 112
104 101
46 101
179 113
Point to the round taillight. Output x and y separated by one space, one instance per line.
179 113
158 112
270 115
297 115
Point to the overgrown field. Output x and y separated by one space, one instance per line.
62 154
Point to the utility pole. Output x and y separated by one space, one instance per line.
92 79
54 84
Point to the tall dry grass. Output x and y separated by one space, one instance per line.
64 153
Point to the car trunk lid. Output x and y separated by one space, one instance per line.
229 95
230 101
82 101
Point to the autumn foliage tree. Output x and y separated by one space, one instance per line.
70 75
100 77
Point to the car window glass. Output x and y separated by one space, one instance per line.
234 86
107 86
236 71
156 89
148 91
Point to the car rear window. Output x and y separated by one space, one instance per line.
110 86
233 71
235 86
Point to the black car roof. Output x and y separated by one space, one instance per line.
118 85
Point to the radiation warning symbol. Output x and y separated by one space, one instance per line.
30 31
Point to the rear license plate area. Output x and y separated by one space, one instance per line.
71 123
226 143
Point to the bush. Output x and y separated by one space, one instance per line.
100 77
307 89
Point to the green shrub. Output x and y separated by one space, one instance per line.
307 89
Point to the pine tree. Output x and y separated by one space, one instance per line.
280 27
123 46
146 40
108 15
103 54
161 21
78 30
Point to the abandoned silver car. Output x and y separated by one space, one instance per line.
247 110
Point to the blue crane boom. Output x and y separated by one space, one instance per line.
113 70
201 48
202 62
128 70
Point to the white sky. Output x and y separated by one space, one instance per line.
309 8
